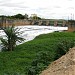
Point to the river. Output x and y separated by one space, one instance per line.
30 32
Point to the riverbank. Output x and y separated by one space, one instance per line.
19 61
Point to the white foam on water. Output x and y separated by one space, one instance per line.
30 32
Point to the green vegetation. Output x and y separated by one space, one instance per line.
17 16
12 37
20 16
33 56
63 47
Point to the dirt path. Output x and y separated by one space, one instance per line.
63 66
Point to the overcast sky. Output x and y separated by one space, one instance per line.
43 8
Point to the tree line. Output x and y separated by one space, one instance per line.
21 16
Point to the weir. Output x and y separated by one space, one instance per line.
19 22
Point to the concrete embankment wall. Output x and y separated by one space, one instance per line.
15 22
20 22
71 25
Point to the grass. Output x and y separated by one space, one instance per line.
18 61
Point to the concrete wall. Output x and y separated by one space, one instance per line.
15 22
19 22
71 25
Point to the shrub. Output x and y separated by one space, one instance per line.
63 47
39 63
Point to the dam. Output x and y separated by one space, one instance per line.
19 22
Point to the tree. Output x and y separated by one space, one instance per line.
25 16
11 38
19 16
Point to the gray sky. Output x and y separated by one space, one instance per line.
43 8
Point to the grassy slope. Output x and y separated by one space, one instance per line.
18 60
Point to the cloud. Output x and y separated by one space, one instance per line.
44 8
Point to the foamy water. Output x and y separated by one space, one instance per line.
30 32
